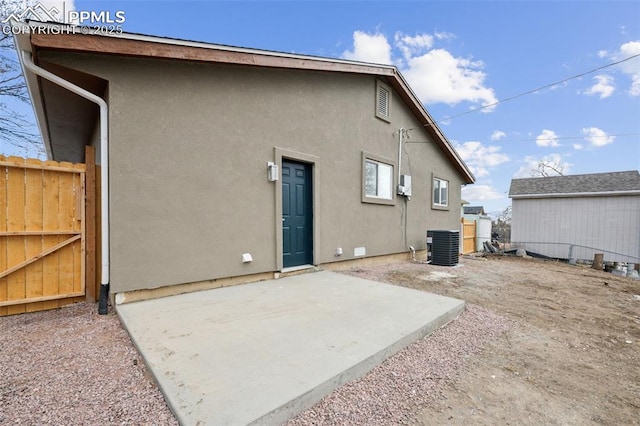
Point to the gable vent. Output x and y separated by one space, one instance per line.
383 102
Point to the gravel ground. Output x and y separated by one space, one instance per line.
71 366
394 392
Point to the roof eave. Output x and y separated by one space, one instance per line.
83 39
87 40
432 128
576 194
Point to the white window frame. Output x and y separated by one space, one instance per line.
437 186
388 195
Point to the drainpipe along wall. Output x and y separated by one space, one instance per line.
104 170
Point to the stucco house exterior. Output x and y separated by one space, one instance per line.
223 164
576 216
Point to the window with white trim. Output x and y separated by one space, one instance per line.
377 179
440 192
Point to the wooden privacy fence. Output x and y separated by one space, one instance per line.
468 236
42 234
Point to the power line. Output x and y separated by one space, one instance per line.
547 139
528 92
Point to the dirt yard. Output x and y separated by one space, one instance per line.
571 357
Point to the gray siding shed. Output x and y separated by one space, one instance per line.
577 216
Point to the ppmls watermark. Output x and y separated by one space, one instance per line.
76 21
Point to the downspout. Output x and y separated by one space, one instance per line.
104 170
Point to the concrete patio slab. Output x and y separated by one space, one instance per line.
260 353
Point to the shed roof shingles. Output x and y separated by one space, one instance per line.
576 184
474 210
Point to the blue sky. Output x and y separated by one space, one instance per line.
458 56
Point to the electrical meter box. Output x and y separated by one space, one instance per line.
404 186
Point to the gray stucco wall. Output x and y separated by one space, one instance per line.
189 143
611 225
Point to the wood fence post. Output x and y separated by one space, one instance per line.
90 223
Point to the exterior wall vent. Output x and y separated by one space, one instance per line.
383 101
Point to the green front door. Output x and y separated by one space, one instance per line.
297 214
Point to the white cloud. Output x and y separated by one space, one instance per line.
411 46
369 48
528 168
557 86
577 146
442 35
547 138
438 76
597 137
434 74
475 193
531 165
479 157
630 67
497 135
604 86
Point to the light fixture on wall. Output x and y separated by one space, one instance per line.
272 171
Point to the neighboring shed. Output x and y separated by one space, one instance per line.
576 216
228 164
483 225
474 210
